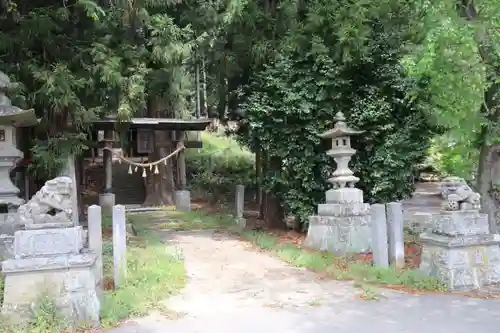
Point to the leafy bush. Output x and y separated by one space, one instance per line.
220 165
319 72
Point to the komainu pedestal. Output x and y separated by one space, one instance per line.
343 224
460 251
51 263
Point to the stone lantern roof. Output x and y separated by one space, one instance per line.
340 129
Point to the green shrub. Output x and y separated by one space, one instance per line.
221 164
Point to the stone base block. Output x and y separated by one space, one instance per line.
470 263
351 209
419 222
68 281
47 242
344 195
107 201
462 222
340 235
241 222
183 201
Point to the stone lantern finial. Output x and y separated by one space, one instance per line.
341 152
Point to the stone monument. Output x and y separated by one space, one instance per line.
11 117
343 223
51 260
460 250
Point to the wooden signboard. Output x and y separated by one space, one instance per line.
143 146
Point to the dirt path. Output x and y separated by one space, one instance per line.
224 273
234 288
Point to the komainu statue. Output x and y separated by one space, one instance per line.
463 198
52 204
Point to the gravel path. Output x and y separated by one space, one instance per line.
232 288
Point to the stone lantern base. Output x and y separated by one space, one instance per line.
343 224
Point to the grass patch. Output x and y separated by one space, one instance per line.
362 273
170 219
154 271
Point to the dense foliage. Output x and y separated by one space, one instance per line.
398 69
296 98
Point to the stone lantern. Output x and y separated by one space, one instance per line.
11 117
342 152
343 223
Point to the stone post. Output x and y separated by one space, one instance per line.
107 199
119 245
395 234
95 239
240 205
183 201
379 235
69 171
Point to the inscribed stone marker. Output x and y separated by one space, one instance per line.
119 245
240 206
95 238
395 234
183 201
240 200
379 235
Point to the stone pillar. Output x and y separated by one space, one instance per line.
240 205
51 262
119 245
107 199
395 234
379 235
95 240
183 201
460 250
69 171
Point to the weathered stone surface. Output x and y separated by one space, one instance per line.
48 242
380 247
183 201
463 268
460 251
346 209
340 235
455 223
344 195
462 241
48 263
52 204
419 222
70 283
6 247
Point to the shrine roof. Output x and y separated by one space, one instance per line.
156 123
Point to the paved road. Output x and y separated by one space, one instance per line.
235 289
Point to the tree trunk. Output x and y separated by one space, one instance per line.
274 217
197 85
204 105
263 200
159 186
258 175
